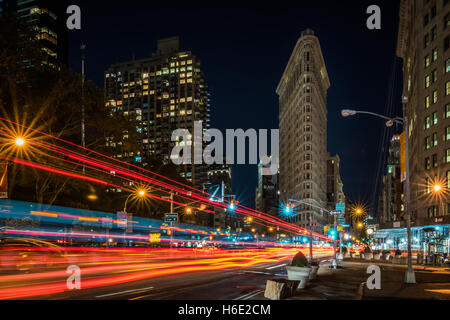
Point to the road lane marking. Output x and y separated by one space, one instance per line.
249 295
116 293
278 266
257 272
252 295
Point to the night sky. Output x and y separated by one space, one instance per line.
244 52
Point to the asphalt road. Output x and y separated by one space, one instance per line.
155 275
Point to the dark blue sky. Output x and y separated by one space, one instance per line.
244 52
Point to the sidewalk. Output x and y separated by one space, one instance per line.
348 283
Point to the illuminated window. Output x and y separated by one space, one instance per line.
427 81
435 139
434 118
447 88
434 54
435 96
448 179
427 102
427 122
447 133
427 143
427 163
426 40
434 76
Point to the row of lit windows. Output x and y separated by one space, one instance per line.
431 120
433 160
42 11
435 95
428 100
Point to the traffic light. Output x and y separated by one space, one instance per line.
288 208
233 204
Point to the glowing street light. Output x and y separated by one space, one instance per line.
140 193
20 141
188 210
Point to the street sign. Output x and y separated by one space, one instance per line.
341 220
326 228
122 219
339 228
340 207
171 217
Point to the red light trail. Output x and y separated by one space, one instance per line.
116 171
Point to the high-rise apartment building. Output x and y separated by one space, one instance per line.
49 19
266 195
424 45
219 177
391 207
302 95
165 92
335 193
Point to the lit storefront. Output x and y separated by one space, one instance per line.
424 239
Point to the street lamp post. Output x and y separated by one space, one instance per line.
409 276
140 193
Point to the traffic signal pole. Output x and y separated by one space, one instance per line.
310 239
334 238
171 211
